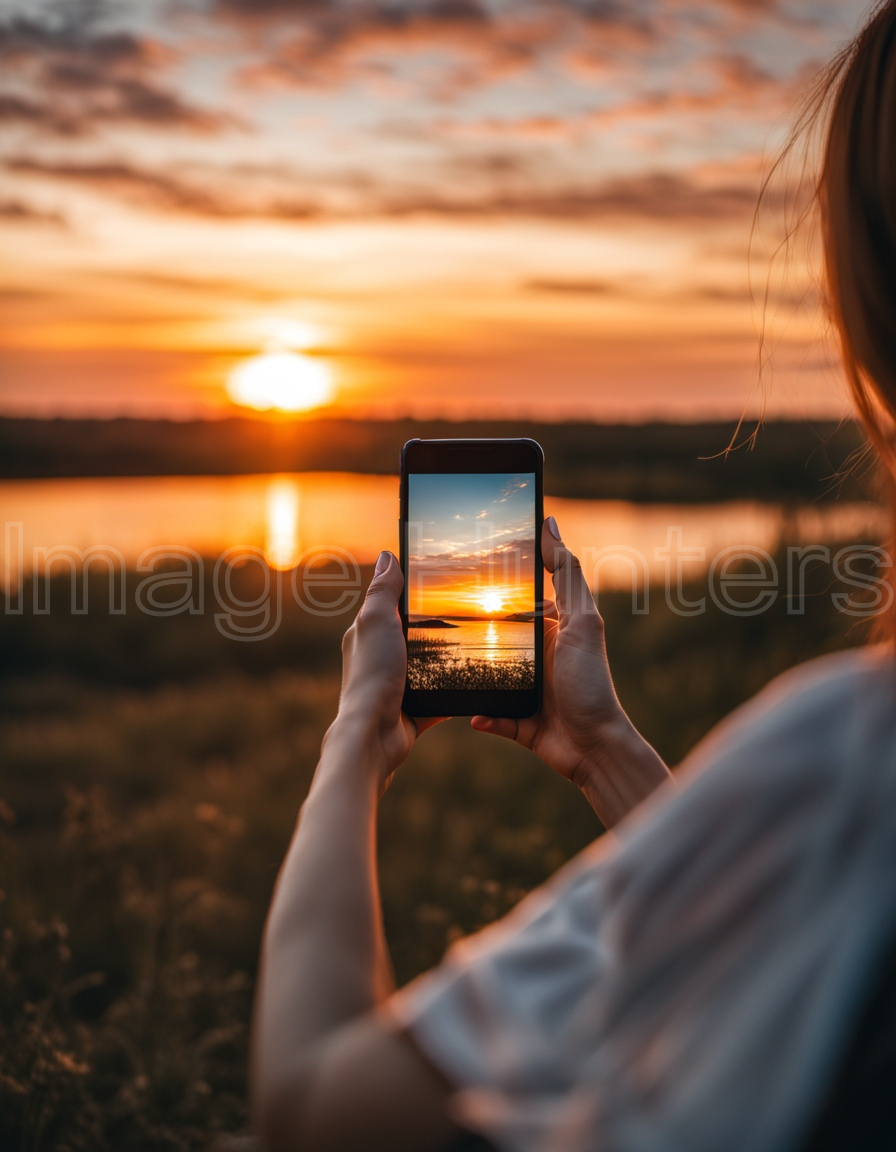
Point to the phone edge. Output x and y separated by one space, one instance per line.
538 690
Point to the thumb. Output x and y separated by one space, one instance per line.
571 589
387 583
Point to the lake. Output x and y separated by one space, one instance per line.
291 517
492 640
483 654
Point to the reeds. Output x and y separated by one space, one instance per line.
431 667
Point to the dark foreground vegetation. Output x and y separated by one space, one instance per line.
656 462
434 664
466 673
150 774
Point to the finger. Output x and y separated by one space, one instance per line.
424 722
571 589
520 731
495 726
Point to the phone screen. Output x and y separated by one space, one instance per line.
471 594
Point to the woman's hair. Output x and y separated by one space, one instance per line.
857 202
851 109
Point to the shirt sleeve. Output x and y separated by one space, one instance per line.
501 1015
685 985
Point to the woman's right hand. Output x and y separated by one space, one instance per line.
581 730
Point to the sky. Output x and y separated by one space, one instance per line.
471 544
520 208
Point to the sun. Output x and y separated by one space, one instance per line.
491 602
285 381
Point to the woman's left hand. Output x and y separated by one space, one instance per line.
374 668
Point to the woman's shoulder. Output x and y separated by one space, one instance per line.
817 736
826 705
834 675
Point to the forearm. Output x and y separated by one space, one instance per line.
622 771
324 959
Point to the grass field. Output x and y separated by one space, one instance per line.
150 775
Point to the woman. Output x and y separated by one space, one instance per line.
689 982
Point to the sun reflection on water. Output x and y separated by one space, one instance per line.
281 544
491 642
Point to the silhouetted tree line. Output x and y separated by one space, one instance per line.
649 462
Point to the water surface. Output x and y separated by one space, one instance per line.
290 517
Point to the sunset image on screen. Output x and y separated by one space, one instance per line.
471 583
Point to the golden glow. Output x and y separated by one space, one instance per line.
282 333
491 601
281 546
463 596
283 381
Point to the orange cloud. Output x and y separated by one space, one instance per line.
697 196
20 212
80 79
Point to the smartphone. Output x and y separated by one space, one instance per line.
470 542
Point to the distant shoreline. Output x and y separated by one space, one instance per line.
445 621
656 462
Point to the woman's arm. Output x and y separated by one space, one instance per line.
326 1073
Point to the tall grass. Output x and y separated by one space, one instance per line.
469 674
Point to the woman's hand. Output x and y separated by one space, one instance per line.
581 730
374 667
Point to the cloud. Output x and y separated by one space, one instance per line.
71 77
198 285
510 488
465 47
160 191
468 43
795 296
124 181
258 11
564 287
727 83
660 196
16 109
540 127
18 295
657 196
78 80
459 556
18 211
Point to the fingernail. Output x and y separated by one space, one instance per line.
552 527
382 563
